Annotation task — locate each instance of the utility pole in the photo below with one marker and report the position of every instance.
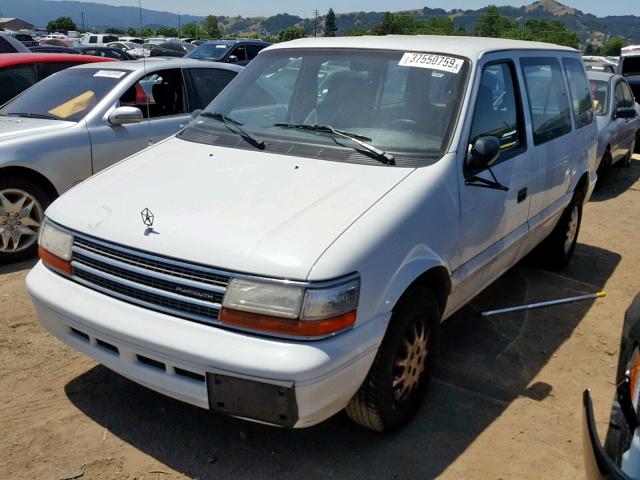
(315, 23)
(179, 24)
(83, 30)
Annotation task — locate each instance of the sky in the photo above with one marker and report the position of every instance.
(253, 8)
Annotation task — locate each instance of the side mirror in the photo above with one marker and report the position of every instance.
(232, 59)
(195, 114)
(482, 154)
(125, 116)
(625, 112)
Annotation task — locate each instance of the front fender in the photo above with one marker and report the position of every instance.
(419, 261)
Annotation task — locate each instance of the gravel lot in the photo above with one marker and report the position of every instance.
(506, 401)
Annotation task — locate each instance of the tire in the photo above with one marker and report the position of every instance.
(377, 405)
(16, 192)
(604, 169)
(557, 249)
(637, 144)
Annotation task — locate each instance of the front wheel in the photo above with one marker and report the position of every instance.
(557, 249)
(22, 206)
(397, 381)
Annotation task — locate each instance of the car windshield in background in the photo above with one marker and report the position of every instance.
(210, 51)
(600, 94)
(67, 95)
(405, 103)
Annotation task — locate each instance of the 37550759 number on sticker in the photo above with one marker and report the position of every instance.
(432, 61)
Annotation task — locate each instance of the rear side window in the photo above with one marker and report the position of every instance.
(497, 108)
(579, 90)
(15, 80)
(45, 69)
(93, 39)
(159, 94)
(5, 47)
(206, 84)
(548, 100)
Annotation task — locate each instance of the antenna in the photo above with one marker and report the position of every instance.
(144, 58)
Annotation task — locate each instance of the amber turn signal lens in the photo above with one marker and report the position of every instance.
(58, 264)
(284, 326)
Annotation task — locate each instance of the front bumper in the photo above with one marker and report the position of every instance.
(598, 463)
(311, 381)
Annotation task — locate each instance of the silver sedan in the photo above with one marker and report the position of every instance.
(618, 117)
(82, 120)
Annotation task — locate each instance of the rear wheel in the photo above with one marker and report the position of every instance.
(397, 381)
(22, 206)
(557, 249)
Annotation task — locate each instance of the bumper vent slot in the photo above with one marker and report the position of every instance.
(188, 374)
(108, 346)
(81, 335)
(151, 362)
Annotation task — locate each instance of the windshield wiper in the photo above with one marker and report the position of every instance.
(31, 115)
(237, 128)
(361, 140)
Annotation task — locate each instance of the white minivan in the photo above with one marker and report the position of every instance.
(294, 249)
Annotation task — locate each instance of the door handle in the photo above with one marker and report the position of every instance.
(522, 194)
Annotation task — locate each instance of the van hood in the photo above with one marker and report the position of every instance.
(16, 127)
(239, 210)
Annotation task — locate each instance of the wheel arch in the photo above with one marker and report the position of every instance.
(32, 175)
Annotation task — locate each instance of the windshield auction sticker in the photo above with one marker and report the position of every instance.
(109, 73)
(432, 61)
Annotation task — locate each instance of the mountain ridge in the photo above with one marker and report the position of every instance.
(100, 16)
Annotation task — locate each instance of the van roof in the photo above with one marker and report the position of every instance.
(470, 47)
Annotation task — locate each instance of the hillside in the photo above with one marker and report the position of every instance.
(99, 16)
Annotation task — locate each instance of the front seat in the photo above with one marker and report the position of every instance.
(346, 95)
(165, 98)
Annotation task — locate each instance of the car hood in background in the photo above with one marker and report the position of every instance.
(246, 211)
(16, 127)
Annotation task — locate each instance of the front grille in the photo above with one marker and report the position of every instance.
(180, 289)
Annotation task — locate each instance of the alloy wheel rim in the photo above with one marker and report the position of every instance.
(410, 361)
(572, 230)
(20, 218)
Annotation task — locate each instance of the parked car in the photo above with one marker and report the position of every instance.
(24, 38)
(53, 49)
(619, 458)
(19, 71)
(98, 39)
(59, 42)
(599, 64)
(618, 118)
(84, 119)
(232, 51)
(133, 49)
(629, 68)
(171, 49)
(137, 40)
(108, 52)
(9, 44)
(292, 253)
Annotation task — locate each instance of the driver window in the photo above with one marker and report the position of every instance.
(240, 52)
(159, 94)
(496, 113)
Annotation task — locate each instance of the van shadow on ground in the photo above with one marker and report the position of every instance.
(618, 180)
(16, 267)
(485, 365)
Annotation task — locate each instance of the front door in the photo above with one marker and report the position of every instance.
(494, 220)
(161, 98)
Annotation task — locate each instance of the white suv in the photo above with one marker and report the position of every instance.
(293, 251)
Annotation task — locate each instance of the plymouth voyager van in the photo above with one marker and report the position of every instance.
(294, 249)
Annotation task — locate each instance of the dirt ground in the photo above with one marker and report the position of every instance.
(505, 403)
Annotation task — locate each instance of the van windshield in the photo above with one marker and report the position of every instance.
(400, 102)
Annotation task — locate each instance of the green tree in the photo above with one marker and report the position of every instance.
(549, 32)
(437, 26)
(115, 31)
(290, 33)
(395, 24)
(356, 32)
(131, 32)
(330, 28)
(191, 30)
(147, 32)
(492, 24)
(61, 24)
(210, 26)
(166, 31)
(613, 47)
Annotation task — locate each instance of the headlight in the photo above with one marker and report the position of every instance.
(55, 248)
(634, 377)
(291, 310)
